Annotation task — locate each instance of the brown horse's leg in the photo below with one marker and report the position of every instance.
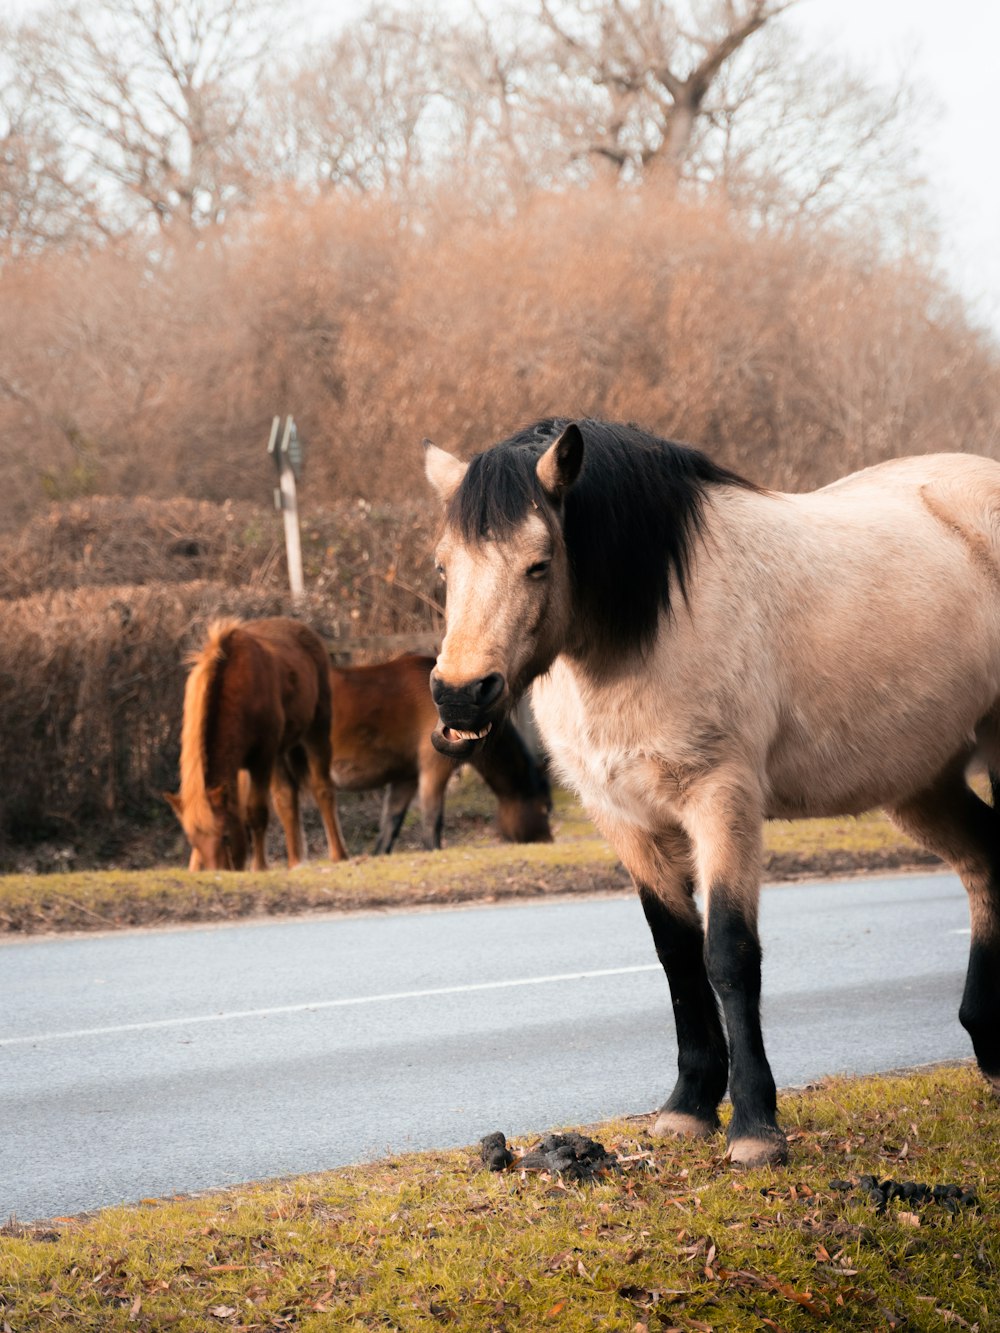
(395, 804)
(285, 790)
(434, 775)
(662, 873)
(722, 817)
(950, 820)
(319, 759)
(257, 815)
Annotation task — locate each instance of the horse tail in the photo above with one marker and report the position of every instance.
(200, 697)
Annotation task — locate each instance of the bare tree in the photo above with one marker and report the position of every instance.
(645, 69)
(42, 200)
(792, 134)
(354, 112)
(156, 97)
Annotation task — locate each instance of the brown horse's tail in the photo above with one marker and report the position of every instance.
(200, 695)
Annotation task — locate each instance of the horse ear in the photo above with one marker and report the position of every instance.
(559, 466)
(174, 801)
(444, 471)
(216, 797)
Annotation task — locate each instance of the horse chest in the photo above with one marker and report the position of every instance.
(612, 772)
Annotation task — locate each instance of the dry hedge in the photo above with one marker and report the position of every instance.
(101, 610)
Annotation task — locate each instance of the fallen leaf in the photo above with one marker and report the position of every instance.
(555, 1310)
(221, 1311)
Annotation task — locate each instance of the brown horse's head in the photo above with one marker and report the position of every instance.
(525, 818)
(503, 555)
(214, 830)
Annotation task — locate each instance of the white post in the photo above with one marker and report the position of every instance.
(290, 513)
(286, 499)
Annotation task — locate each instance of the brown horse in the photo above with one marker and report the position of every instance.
(255, 691)
(383, 716)
(708, 654)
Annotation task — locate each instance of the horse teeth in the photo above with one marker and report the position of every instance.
(470, 735)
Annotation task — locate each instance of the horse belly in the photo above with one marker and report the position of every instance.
(831, 763)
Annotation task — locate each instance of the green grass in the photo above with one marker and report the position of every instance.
(676, 1240)
(474, 868)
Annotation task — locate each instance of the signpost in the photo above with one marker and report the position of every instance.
(288, 461)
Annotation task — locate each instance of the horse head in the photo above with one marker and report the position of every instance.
(215, 831)
(503, 557)
(525, 818)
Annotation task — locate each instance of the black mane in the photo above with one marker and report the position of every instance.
(630, 520)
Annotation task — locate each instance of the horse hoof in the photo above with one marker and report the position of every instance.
(769, 1150)
(679, 1125)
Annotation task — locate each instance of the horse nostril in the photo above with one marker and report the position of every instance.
(488, 690)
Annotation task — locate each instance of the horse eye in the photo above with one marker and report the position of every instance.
(440, 571)
(539, 569)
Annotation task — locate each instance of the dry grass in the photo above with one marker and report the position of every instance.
(674, 1241)
(472, 868)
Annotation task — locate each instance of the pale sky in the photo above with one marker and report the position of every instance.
(951, 51)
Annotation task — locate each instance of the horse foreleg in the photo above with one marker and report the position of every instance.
(285, 790)
(723, 821)
(395, 804)
(433, 780)
(661, 870)
(702, 1057)
(325, 796)
(950, 820)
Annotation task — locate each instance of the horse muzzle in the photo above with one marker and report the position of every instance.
(467, 713)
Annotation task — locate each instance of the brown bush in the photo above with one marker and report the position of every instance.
(372, 562)
(793, 356)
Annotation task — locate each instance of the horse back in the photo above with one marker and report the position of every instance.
(277, 680)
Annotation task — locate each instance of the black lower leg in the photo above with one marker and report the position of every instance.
(951, 820)
(394, 808)
(980, 1009)
(733, 954)
(433, 827)
(702, 1059)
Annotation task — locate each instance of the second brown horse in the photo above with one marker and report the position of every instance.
(383, 716)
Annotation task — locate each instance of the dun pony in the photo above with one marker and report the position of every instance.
(707, 654)
(256, 691)
(383, 717)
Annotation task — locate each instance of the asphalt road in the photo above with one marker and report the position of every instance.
(146, 1063)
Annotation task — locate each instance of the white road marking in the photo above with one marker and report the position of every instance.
(315, 1005)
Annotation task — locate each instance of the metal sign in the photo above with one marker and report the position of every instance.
(290, 449)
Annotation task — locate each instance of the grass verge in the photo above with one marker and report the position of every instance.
(477, 869)
(674, 1240)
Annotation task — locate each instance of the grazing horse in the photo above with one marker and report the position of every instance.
(707, 654)
(383, 717)
(256, 690)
